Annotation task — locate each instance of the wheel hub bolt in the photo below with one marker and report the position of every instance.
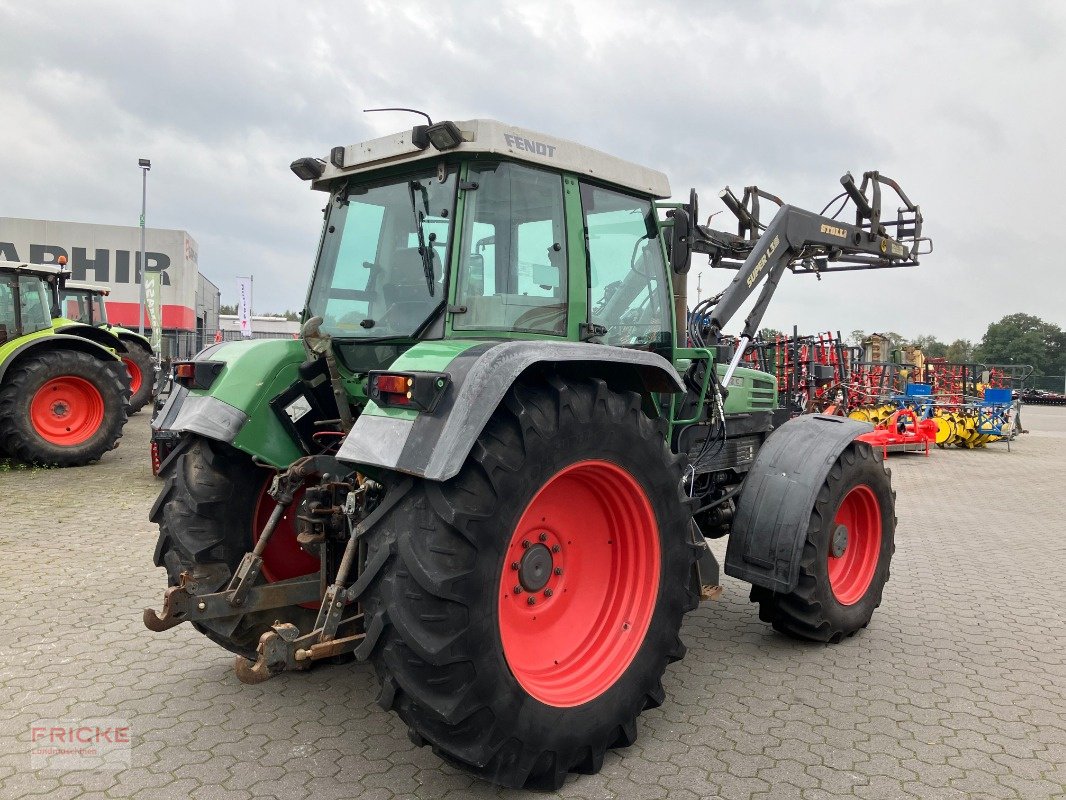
(514, 565)
(548, 592)
(543, 537)
(525, 544)
(558, 570)
(556, 548)
(532, 600)
(518, 590)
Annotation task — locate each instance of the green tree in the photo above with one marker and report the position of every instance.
(769, 334)
(224, 309)
(856, 337)
(959, 351)
(931, 346)
(1024, 339)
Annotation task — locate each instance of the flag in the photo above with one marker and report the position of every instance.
(153, 298)
(244, 306)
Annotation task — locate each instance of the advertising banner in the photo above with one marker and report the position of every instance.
(244, 306)
(153, 298)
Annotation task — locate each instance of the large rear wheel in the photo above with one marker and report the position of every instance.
(141, 368)
(62, 407)
(531, 604)
(210, 511)
(845, 561)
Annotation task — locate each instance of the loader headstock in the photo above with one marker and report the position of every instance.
(847, 245)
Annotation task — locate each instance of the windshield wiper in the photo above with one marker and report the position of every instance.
(425, 252)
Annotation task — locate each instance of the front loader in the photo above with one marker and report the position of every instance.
(490, 465)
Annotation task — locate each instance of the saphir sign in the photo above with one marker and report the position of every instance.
(110, 255)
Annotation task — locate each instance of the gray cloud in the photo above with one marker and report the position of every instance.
(956, 100)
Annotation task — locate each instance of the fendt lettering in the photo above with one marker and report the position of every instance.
(97, 268)
(529, 145)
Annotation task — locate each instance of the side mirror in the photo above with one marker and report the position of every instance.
(680, 241)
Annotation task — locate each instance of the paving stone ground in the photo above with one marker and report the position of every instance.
(956, 690)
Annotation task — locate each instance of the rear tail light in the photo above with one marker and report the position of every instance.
(420, 391)
(197, 374)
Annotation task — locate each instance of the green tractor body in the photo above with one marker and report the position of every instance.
(62, 393)
(81, 310)
(491, 463)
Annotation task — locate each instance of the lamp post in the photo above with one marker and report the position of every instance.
(145, 165)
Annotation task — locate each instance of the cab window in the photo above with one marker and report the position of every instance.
(512, 267)
(8, 320)
(34, 303)
(627, 271)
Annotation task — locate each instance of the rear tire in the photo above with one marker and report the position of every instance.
(441, 632)
(62, 408)
(141, 368)
(842, 575)
(206, 513)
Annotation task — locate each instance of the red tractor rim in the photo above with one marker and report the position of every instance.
(855, 545)
(283, 557)
(67, 410)
(579, 583)
(135, 374)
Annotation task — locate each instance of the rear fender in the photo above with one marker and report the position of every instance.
(435, 444)
(235, 409)
(47, 341)
(770, 525)
(102, 337)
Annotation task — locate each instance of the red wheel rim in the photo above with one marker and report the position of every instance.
(283, 557)
(67, 410)
(586, 551)
(855, 545)
(135, 374)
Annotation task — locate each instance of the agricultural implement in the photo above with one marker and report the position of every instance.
(62, 395)
(491, 463)
(85, 303)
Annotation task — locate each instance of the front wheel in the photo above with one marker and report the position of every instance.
(139, 364)
(845, 561)
(531, 604)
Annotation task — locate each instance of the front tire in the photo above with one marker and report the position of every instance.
(845, 561)
(531, 604)
(63, 408)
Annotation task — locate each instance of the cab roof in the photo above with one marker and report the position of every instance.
(488, 136)
(43, 270)
(88, 287)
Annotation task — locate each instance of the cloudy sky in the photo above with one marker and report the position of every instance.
(956, 100)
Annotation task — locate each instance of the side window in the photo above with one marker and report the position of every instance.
(349, 301)
(627, 273)
(35, 305)
(512, 267)
(8, 328)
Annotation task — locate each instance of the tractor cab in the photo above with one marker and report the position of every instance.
(25, 299)
(84, 302)
(490, 232)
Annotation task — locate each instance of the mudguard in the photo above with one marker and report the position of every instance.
(435, 445)
(47, 340)
(102, 337)
(775, 505)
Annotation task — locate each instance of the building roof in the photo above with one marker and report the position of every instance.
(487, 136)
(44, 270)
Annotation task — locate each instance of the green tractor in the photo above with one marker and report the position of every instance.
(83, 303)
(491, 465)
(62, 396)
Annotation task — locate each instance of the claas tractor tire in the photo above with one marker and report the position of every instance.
(62, 408)
(213, 505)
(844, 564)
(530, 605)
(139, 365)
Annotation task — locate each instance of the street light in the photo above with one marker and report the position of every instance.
(145, 165)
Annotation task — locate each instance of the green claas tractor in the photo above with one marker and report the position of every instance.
(84, 303)
(491, 464)
(62, 396)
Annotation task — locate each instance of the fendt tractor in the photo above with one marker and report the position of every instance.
(84, 303)
(491, 464)
(63, 395)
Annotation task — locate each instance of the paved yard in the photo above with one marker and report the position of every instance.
(957, 689)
